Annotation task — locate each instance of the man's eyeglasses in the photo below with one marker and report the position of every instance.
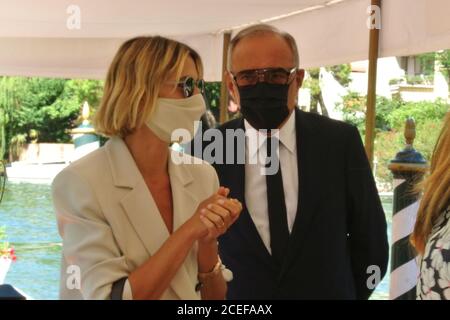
(188, 85)
(269, 75)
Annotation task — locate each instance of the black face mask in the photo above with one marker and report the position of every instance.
(264, 105)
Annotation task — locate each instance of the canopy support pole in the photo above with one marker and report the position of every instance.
(223, 88)
(371, 88)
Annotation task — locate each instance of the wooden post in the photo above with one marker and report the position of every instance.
(223, 88)
(371, 88)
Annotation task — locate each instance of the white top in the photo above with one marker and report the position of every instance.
(255, 181)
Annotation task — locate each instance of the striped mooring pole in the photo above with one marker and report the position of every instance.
(408, 168)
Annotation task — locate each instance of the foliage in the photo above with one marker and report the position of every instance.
(444, 61)
(420, 79)
(389, 143)
(389, 126)
(212, 95)
(341, 73)
(312, 81)
(427, 60)
(420, 111)
(354, 111)
(15, 145)
(42, 109)
(395, 81)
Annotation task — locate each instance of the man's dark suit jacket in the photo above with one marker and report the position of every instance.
(339, 231)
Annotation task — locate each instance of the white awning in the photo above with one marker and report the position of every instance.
(35, 39)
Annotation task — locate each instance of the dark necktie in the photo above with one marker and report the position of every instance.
(279, 232)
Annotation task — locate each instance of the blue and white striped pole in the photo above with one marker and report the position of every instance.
(408, 168)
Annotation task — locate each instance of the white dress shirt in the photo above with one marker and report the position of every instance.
(255, 181)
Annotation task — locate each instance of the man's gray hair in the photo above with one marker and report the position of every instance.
(260, 29)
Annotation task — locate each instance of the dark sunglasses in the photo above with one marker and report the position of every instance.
(188, 85)
(269, 75)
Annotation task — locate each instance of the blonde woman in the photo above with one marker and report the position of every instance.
(431, 236)
(135, 224)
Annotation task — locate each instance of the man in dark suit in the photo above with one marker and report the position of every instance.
(316, 228)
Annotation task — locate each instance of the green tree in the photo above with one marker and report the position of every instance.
(341, 73)
(444, 62)
(354, 111)
(9, 103)
(421, 112)
(427, 61)
(313, 84)
(389, 126)
(86, 90)
(212, 95)
(42, 106)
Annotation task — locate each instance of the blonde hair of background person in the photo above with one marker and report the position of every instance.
(125, 211)
(436, 189)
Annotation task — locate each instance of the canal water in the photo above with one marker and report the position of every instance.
(27, 213)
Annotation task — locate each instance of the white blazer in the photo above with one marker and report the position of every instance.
(110, 224)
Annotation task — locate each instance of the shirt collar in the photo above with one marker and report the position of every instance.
(287, 135)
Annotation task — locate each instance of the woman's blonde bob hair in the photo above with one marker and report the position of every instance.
(133, 81)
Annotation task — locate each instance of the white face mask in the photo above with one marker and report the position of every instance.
(172, 114)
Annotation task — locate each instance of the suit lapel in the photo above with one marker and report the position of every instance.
(142, 210)
(184, 199)
(145, 217)
(308, 191)
(137, 203)
(184, 205)
(245, 225)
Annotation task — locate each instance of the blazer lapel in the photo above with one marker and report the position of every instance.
(185, 200)
(137, 203)
(145, 218)
(309, 188)
(185, 203)
(245, 225)
(142, 210)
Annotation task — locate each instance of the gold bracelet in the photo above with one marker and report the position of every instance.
(202, 276)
